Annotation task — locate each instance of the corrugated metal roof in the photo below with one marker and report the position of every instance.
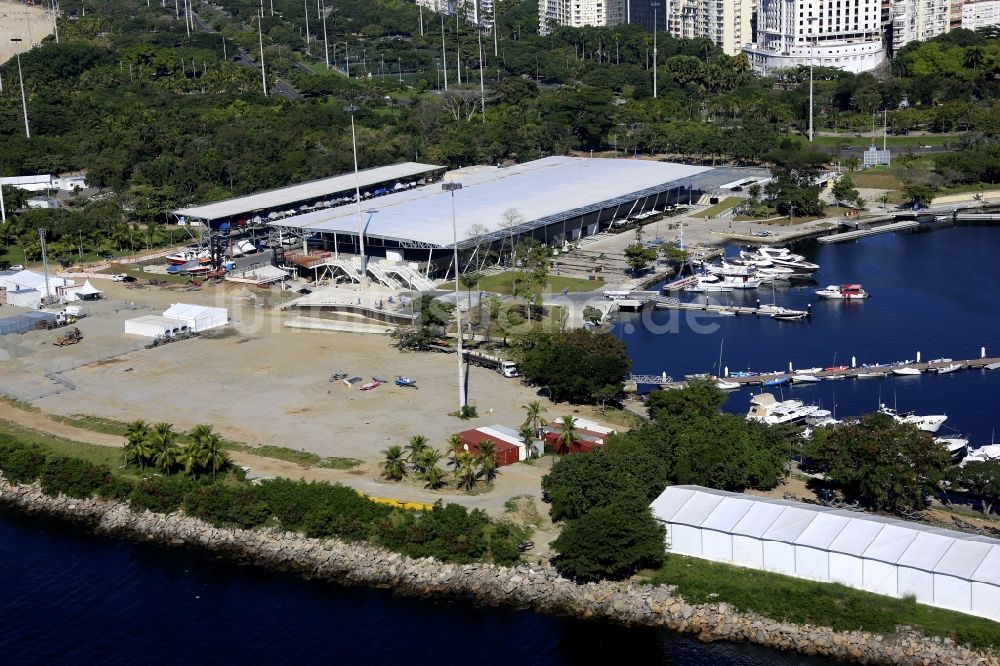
(287, 196)
(542, 191)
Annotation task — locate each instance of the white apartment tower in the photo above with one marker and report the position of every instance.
(725, 22)
(919, 20)
(578, 13)
(980, 14)
(844, 34)
(479, 12)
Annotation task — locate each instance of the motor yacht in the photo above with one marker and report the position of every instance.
(708, 283)
(764, 408)
(926, 423)
(957, 447)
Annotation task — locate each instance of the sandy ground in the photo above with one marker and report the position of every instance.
(31, 24)
(260, 382)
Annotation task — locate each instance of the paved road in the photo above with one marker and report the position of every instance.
(280, 87)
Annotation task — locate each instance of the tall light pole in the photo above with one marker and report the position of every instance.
(260, 33)
(444, 55)
(357, 198)
(326, 42)
(55, 23)
(812, 44)
(3, 209)
(24, 100)
(458, 48)
(451, 187)
(305, 3)
(482, 85)
(655, 6)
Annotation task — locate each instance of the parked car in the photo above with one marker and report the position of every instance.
(122, 277)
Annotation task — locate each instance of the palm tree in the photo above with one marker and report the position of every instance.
(189, 457)
(213, 457)
(394, 467)
(486, 460)
(163, 446)
(533, 411)
(568, 435)
(455, 447)
(527, 438)
(434, 477)
(136, 443)
(201, 432)
(466, 473)
(428, 460)
(415, 449)
(470, 280)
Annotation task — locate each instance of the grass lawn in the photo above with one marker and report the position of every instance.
(301, 457)
(720, 207)
(93, 423)
(501, 283)
(99, 455)
(826, 604)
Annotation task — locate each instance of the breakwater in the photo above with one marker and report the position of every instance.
(535, 587)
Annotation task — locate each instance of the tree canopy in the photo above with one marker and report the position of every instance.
(576, 365)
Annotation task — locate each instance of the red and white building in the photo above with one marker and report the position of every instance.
(508, 447)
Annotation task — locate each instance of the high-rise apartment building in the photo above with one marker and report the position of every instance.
(844, 34)
(919, 20)
(578, 13)
(981, 14)
(479, 12)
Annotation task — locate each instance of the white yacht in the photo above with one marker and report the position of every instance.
(983, 454)
(708, 283)
(764, 408)
(926, 423)
(904, 371)
(957, 447)
(780, 256)
(844, 292)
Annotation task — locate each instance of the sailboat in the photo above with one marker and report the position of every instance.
(720, 381)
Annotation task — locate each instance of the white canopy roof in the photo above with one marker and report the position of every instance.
(31, 280)
(289, 196)
(88, 288)
(888, 540)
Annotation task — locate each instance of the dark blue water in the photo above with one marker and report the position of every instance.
(933, 290)
(69, 597)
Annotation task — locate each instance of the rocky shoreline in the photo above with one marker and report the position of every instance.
(534, 587)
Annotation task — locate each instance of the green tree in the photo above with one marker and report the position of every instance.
(466, 471)
(888, 466)
(980, 480)
(920, 193)
(698, 397)
(394, 466)
(610, 543)
(639, 257)
(434, 477)
(844, 191)
(163, 445)
(486, 459)
(137, 448)
(454, 448)
(576, 365)
(415, 450)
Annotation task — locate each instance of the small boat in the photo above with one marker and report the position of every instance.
(837, 368)
(845, 292)
(808, 371)
(831, 378)
(727, 386)
(906, 371)
(405, 381)
(951, 367)
(992, 366)
(819, 416)
(805, 379)
(789, 316)
(370, 385)
(725, 312)
(776, 381)
(871, 375)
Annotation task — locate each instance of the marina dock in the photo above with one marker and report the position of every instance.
(849, 373)
(871, 231)
(637, 300)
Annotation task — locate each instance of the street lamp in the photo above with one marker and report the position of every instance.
(451, 187)
(24, 101)
(357, 195)
(260, 33)
(812, 44)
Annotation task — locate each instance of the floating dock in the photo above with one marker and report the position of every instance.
(871, 231)
(849, 373)
(637, 300)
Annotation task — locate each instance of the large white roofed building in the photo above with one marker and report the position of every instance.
(939, 567)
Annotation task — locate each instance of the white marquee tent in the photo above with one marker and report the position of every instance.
(198, 317)
(939, 567)
(152, 326)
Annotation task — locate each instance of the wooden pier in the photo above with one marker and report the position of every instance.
(852, 373)
(637, 300)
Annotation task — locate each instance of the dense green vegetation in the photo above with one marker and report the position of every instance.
(784, 598)
(578, 365)
(687, 442)
(448, 532)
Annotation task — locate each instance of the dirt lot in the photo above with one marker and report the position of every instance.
(31, 24)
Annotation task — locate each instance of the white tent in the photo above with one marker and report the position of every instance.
(151, 326)
(86, 292)
(939, 567)
(198, 317)
(32, 280)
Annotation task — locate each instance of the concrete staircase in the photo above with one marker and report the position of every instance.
(412, 277)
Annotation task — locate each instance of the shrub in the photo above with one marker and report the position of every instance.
(73, 477)
(448, 532)
(321, 509)
(160, 494)
(227, 505)
(21, 463)
(503, 542)
(116, 488)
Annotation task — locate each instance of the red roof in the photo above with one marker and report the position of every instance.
(504, 453)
